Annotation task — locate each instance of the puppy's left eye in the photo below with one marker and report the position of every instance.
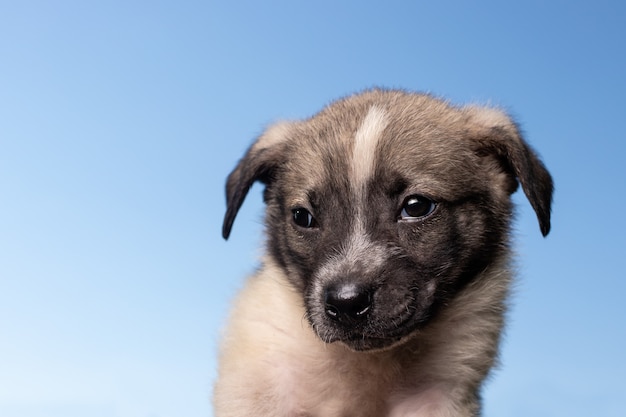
(417, 206)
(303, 218)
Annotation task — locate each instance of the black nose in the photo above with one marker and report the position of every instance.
(347, 301)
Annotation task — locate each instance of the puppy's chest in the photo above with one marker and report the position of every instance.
(329, 387)
(329, 383)
(351, 393)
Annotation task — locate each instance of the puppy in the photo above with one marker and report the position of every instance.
(384, 285)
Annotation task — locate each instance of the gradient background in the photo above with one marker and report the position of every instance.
(119, 121)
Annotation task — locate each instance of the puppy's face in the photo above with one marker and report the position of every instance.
(384, 205)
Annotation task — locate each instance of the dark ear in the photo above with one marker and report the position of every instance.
(502, 139)
(258, 164)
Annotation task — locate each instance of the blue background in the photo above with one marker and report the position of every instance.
(119, 121)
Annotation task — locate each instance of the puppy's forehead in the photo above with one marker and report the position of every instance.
(373, 136)
(337, 149)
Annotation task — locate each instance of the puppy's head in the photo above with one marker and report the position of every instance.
(381, 207)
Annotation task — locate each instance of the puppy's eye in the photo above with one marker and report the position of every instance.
(303, 218)
(417, 206)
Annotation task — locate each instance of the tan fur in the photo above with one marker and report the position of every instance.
(435, 285)
(272, 364)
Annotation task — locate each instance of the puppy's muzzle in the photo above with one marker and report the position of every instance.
(347, 302)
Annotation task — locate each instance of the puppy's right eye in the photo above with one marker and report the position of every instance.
(303, 218)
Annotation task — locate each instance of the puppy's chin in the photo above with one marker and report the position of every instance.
(374, 344)
(358, 341)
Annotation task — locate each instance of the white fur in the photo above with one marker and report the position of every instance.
(365, 142)
(363, 164)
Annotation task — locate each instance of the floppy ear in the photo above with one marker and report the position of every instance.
(257, 164)
(501, 138)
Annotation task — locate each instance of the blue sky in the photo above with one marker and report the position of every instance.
(119, 122)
